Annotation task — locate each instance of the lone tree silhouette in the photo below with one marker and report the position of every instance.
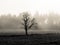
(28, 22)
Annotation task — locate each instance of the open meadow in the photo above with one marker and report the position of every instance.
(19, 38)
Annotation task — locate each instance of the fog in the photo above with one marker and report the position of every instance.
(45, 23)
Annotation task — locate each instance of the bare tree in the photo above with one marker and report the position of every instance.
(28, 22)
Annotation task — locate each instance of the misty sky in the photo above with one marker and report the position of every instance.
(18, 6)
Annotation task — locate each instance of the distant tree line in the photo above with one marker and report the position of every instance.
(51, 21)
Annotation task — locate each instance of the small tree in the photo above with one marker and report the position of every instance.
(28, 22)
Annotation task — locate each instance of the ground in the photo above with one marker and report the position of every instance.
(33, 39)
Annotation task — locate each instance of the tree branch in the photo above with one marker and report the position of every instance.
(31, 25)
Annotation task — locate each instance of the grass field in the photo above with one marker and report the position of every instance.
(37, 37)
(33, 39)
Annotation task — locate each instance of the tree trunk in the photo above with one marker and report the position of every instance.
(26, 32)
